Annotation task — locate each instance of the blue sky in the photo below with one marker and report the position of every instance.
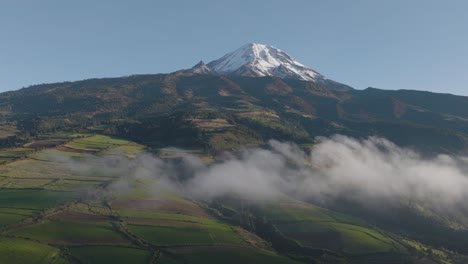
(388, 44)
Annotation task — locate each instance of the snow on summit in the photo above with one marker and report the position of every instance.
(257, 60)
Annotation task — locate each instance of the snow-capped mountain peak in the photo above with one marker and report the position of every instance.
(257, 60)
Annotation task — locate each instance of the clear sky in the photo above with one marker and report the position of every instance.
(388, 44)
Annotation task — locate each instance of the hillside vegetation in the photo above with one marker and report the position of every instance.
(222, 113)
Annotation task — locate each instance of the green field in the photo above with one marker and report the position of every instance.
(179, 229)
(14, 215)
(54, 154)
(35, 169)
(71, 232)
(95, 143)
(170, 236)
(145, 214)
(34, 198)
(73, 184)
(235, 256)
(321, 228)
(129, 149)
(20, 251)
(111, 255)
(52, 169)
(10, 154)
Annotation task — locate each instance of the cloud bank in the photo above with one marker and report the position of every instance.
(373, 170)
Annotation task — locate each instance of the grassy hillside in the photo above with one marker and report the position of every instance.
(55, 219)
(221, 113)
(49, 215)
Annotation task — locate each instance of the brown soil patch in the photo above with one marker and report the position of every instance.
(317, 236)
(399, 108)
(160, 205)
(68, 149)
(252, 239)
(74, 216)
(163, 222)
(87, 241)
(44, 144)
(211, 123)
(258, 113)
(193, 249)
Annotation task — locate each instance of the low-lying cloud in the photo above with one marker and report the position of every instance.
(363, 171)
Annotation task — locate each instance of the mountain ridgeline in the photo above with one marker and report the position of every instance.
(247, 97)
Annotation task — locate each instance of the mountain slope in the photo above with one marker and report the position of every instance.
(263, 107)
